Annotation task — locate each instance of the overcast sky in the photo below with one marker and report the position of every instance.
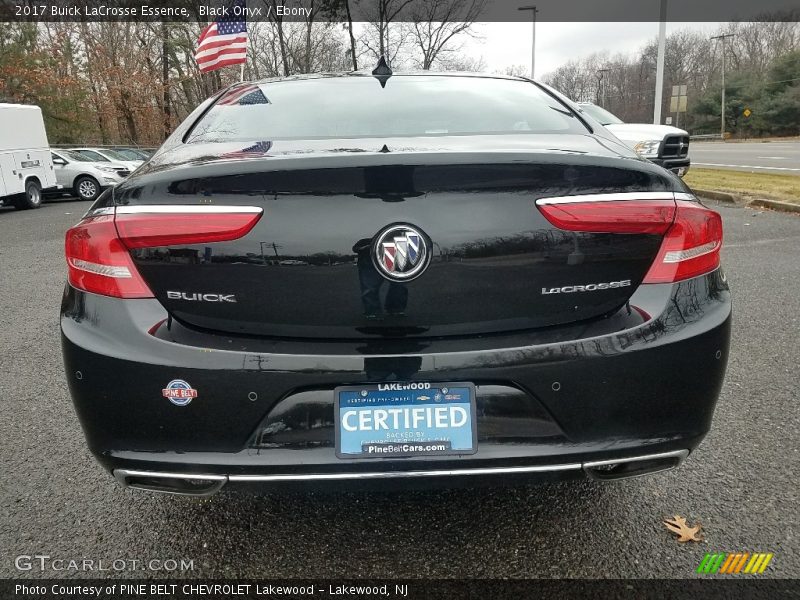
(505, 44)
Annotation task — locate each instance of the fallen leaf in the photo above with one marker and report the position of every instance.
(678, 526)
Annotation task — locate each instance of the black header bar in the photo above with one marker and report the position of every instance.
(599, 11)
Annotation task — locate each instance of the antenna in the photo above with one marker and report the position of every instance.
(382, 71)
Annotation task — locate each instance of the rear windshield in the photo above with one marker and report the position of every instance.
(601, 114)
(75, 156)
(128, 154)
(114, 154)
(357, 107)
(92, 155)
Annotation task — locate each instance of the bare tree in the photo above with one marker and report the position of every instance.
(375, 37)
(277, 21)
(437, 22)
(353, 54)
(461, 62)
(341, 11)
(516, 70)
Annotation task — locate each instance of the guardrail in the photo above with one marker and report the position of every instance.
(706, 136)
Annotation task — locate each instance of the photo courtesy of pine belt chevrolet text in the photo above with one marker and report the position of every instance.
(399, 279)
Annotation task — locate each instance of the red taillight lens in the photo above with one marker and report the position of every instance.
(691, 246)
(150, 229)
(98, 248)
(98, 262)
(692, 233)
(614, 216)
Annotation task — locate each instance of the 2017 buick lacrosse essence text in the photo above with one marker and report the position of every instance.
(431, 278)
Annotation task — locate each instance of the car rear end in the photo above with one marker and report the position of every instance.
(455, 305)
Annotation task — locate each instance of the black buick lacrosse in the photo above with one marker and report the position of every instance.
(329, 280)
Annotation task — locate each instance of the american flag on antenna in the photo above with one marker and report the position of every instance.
(223, 42)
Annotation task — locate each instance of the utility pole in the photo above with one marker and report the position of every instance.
(533, 10)
(722, 38)
(602, 81)
(662, 47)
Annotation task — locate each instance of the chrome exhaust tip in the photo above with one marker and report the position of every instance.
(182, 484)
(624, 468)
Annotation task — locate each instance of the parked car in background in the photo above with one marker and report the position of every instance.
(83, 176)
(25, 166)
(662, 144)
(107, 154)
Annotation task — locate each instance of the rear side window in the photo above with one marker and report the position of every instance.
(354, 107)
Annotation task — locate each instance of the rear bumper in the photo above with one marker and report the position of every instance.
(194, 484)
(552, 403)
(679, 166)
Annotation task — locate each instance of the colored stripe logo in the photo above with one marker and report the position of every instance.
(733, 563)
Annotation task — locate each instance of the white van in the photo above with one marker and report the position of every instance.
(26, 167)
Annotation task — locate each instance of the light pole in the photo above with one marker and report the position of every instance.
(662, 45)
(533, 10)
(722, 38)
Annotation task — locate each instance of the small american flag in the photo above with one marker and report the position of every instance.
(223, 42)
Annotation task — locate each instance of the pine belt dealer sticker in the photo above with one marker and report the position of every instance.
(179, 392)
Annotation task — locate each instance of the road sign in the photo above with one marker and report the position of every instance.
(678, 101)
(677, 104)
(747, 112)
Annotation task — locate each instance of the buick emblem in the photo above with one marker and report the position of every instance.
(401, 252)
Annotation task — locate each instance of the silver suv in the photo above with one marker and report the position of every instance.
(85, 177)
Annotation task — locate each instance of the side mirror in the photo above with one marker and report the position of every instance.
(59, 161)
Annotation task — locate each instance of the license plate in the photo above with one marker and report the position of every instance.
(391, 420)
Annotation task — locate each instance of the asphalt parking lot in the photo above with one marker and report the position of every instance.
(741, 484)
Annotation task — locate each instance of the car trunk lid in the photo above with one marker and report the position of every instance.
(311, 265)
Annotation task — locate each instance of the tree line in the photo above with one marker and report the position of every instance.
(762, 74)
(133, 82)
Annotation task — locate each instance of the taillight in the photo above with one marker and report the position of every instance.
(150, 226)
(98, 248)
(98, 262)
(692, 233)
(691, 247)
(609, 216)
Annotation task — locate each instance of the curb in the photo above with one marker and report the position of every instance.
(720, 196)
(776, 205)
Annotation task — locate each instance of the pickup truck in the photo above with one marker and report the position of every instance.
(662, 144)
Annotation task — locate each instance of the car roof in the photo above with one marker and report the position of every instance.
(366, 73)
